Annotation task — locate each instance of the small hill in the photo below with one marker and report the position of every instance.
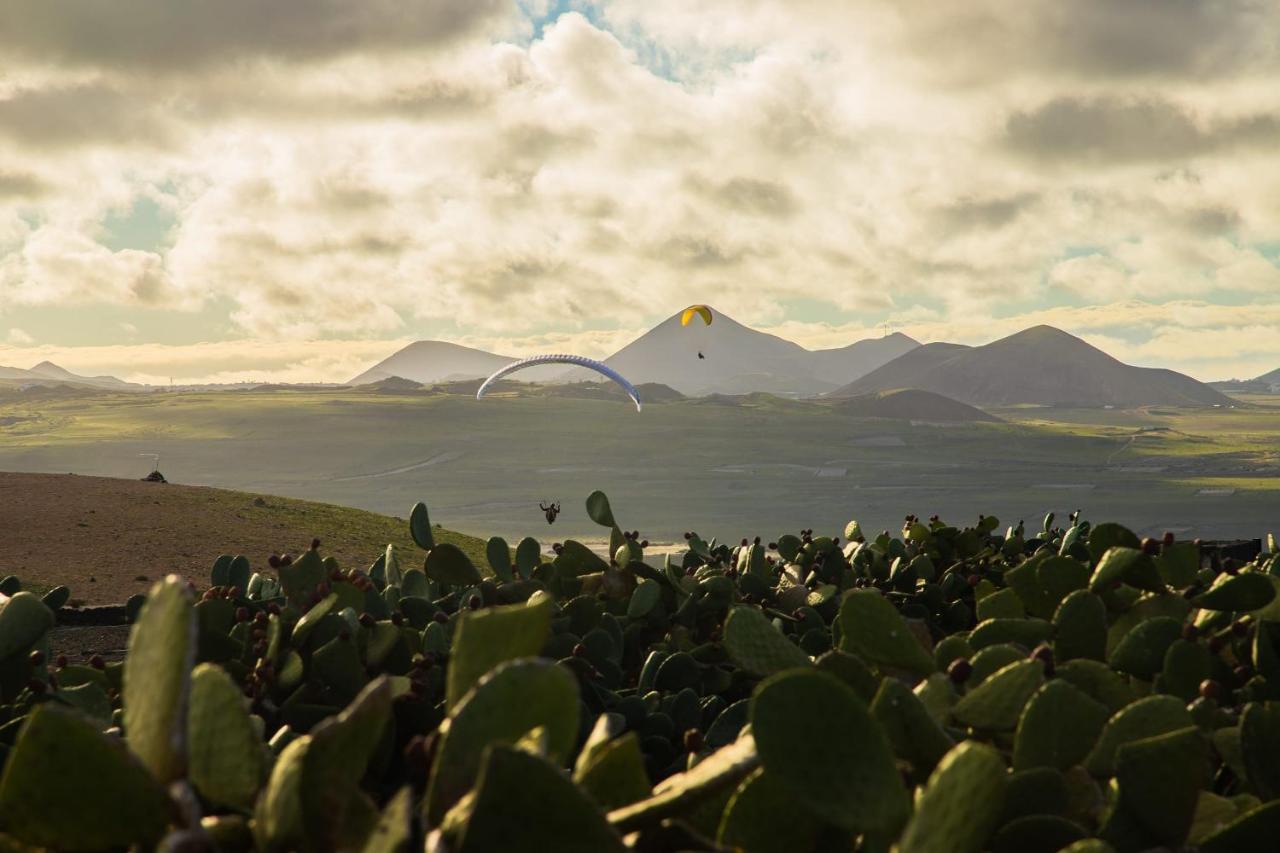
(66, 529)
(844, 364)
(903, 371)
(49, 370)
(1038, 366)
(392, 385)
(650, 392)
(48, 374)
(911, 404)
(431, 362)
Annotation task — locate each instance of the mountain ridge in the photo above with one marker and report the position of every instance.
(1041, 365)
(736, 359)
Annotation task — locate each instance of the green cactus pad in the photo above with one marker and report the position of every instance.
(996, 704)
(312, 799)
(498, 554)
(1097, 680)
(24, 619)
(1243, 592)
(336, 665)
(485, 638)
(852, 671)
(413, 584)
(522, 802)
(157, 678)
(644, 598)
(448, 563)
(1145, 607)
(912, 731)
(751, 821)
(1003, 604)
(507, 702)
(872, 628)
(1253, 832)
(300, 578)
(1037, 790)
(960, 806)
(992, 659)
(728, 724)
(67, 786)
(1179, 563)
(754, 644)
(1037, 600)
(226, 761)
(1028, 633)
(1080, 627)
(1061, 576)
(1186, 664)
(394, 830)
(528, 555)
(1141, 653)
(1260, 746)
(303, 628)
(1212, 814)
(1089, 845)
(845, 773)
(1145, 718)
(598, 509)
(1041, 833)
(613, 775)
(88, 698)
(1107, 535)
(713, 776)
(420, 527)
(576, 559)
(1126, 565)
(1058, 727)
(1159, 780)
(56, 598)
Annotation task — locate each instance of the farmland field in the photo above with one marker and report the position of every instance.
(732, 467)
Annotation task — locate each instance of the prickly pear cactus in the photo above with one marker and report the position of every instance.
(951, 688)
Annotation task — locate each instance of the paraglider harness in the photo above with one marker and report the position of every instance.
(552, 511)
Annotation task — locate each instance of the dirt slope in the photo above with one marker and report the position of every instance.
(107, 539)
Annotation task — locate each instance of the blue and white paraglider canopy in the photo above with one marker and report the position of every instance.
(580, 361)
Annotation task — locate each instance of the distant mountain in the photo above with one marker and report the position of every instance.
(431, 362)
(911, 404)
(1272, 378)
(740, 360)
(49, 370)
(1039, 366)
(48, 373)
(736, 360)
(843, 364)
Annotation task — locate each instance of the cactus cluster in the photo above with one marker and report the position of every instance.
(950, 689)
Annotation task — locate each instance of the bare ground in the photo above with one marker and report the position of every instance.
(107, 539)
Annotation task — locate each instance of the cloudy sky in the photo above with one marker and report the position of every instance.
(294, 189)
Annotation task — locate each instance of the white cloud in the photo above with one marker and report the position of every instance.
(393, 167)
(18, 337)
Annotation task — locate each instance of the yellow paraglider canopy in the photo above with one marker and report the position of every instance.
(696, 311)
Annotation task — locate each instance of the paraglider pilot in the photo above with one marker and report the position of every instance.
(551, 510)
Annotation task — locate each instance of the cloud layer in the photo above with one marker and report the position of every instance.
(572, 172)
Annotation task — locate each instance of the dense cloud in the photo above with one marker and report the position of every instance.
(187, 35)
(1109, 130)
(396, 169)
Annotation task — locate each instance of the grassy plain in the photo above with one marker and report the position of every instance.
(725, 467)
